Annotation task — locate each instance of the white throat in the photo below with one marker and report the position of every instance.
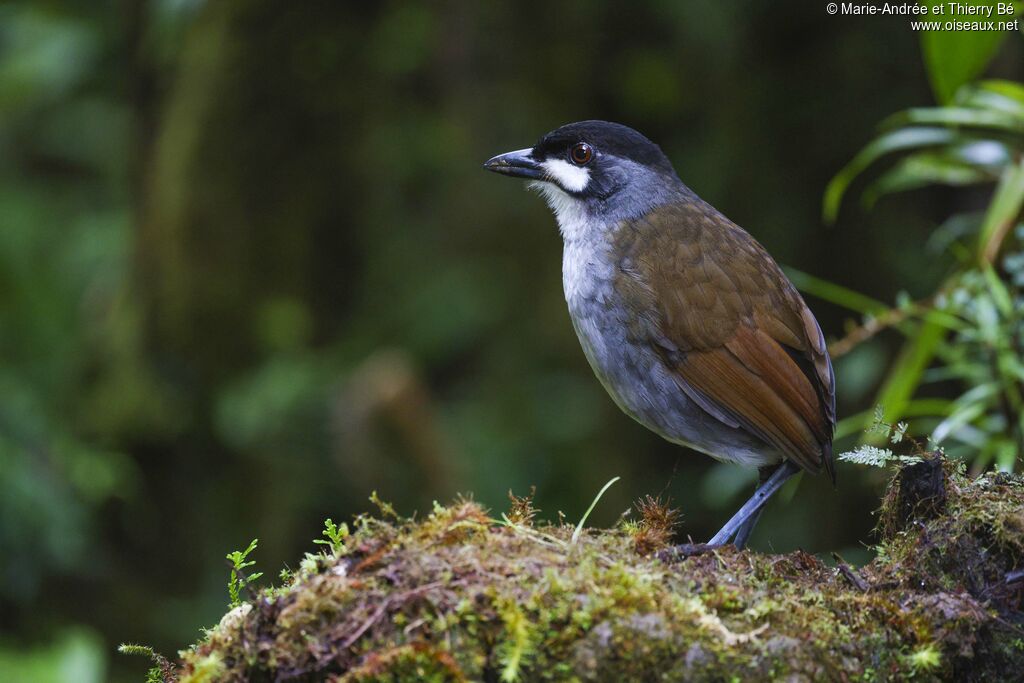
(570, 212)
(586, 262)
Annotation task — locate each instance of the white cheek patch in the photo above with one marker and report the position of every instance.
(571, 178)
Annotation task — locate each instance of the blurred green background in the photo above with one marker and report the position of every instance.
(251, 271)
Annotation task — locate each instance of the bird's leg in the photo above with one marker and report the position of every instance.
(750, 510)
(743, 533)
(742, 523)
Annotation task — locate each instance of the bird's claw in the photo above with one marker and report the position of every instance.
(684, 550)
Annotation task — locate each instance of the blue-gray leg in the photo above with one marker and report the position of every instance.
(743, 534)
(742, 523)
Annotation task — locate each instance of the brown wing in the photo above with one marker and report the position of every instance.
(721, 312)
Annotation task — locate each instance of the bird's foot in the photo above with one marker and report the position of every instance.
(684, 550)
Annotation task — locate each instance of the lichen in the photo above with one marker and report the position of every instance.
(462, 596)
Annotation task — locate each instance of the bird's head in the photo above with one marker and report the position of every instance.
(594, 169)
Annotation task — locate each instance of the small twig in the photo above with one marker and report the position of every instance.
(365, 626)
(861, 333)
(851, 575)
(878, 323)
(376, 615)
(1014, 577)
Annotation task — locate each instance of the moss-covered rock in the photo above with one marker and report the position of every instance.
(460, 596)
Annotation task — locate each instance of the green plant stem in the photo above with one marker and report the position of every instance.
(579, 527)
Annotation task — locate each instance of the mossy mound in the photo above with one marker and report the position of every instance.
(460, 596)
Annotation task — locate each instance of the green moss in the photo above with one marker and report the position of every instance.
(461, 596)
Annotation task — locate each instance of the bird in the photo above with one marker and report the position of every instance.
(689, 324)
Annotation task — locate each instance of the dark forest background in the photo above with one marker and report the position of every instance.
(251, 271)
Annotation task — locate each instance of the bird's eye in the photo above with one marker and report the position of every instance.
(581, 153)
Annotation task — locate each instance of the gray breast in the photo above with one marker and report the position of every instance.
(634, 374)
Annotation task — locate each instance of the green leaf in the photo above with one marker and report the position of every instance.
(973, 437)
(921, 407)
(893, 141)
(994, 95)
(1000, 294)
(922, 169)
(964, 410)
(868, 455)
(957, 116)
(954, 58)
(1015, 368)
(947, 320)
(833, 293)
(963, 415)
(906, 375)
(988, 154)
(1010, 89)
(952, 230)
(1005, 454)
(1002, 211)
